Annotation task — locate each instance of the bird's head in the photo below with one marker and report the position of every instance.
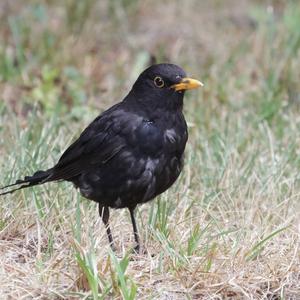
(163, 85)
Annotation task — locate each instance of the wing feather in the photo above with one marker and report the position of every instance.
(103, 139)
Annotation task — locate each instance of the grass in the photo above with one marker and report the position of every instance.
(229, 227)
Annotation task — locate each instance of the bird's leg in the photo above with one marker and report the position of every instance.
(104, 214)
(135, 232)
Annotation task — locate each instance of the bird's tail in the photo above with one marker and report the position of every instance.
(38, 177)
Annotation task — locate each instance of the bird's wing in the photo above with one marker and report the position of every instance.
(99, 142)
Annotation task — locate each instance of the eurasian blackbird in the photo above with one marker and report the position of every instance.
(130, 153)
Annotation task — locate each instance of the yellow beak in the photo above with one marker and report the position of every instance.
(187, 84)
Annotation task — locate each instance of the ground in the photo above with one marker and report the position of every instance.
(229, 228)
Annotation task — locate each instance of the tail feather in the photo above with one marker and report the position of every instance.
(38, 177)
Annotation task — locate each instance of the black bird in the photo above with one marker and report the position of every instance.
(133, 151)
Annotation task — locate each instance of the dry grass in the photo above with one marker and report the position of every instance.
(229, 228)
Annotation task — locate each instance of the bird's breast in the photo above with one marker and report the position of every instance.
(148, 138)
(156, 137)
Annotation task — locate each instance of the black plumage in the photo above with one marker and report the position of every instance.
(133, 151)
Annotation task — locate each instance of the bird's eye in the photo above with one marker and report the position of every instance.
(158, 81)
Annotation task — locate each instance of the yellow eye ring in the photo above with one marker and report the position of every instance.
(158, 81)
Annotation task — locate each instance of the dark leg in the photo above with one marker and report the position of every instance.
(104, 214)
(135, 232)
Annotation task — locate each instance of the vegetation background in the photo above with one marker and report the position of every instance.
(229, 228)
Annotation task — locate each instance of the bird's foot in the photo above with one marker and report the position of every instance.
(113, 247)
(137, 250)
